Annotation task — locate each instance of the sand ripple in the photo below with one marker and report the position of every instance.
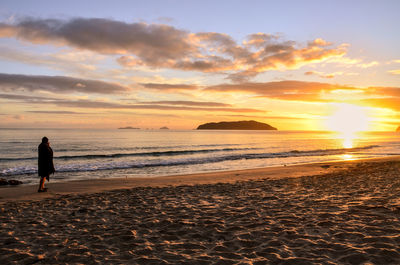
(349, 217)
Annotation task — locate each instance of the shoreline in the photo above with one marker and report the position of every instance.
(29, 192)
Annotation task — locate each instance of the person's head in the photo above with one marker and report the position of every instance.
(45, 140)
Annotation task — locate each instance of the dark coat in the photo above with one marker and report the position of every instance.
(45, 161)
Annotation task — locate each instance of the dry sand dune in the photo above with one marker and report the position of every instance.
(345, 217)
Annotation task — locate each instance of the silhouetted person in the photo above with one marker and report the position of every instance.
(45, 163)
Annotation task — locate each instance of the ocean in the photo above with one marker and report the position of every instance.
(92, 154)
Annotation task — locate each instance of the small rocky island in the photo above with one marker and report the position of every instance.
(236, 125)
(128, 128)
(164, 128)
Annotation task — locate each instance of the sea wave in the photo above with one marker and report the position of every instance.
(173, 160)
(140, 154)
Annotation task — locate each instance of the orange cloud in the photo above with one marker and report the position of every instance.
(285, 90)
(395, 72)
(382, 97)
(319, 42)
(129, 61)
(328, 75)
(287, 55)
(388, 103)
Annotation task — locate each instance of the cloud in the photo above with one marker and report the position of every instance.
(169, 86)
(266, 117)
(394, 72)
(329, 75)
(110, 105)
(287, 55)
(153, 43)
(323, 75)
(57, 84)
(383, 97)
(319, 42)
(18, 117)
(129, 61)
(161, 105)
(164, 46)
(25, 98)
(189, 103)
(285, 90)
(388, 102)
(81, 62)
(368, 65)
(259, 40)
(55, 112)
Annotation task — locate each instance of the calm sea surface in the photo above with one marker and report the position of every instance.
(90, 154)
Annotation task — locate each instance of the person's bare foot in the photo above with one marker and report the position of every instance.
(43, 190)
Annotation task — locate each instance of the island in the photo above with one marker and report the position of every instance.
(164, 128)
(236, 125)
(128, 128)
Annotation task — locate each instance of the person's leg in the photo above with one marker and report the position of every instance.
(41, 185)
(44, 180)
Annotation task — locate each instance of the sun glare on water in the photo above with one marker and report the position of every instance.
(348, 120)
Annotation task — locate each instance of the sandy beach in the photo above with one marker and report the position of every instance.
(324, 213)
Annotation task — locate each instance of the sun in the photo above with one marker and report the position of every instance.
(348, 120)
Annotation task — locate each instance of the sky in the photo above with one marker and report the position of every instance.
(296, 65)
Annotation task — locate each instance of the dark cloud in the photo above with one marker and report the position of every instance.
(163, 46)
(169, 86)
(55, 112)
(153, 43)
(25, 98)
(162, 105)
(189, 103)
(18, 117)
(220, 45)
(211, 64)
(259, 40)
(108, 105)
(57, 84)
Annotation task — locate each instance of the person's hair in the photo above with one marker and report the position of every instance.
(45, 140)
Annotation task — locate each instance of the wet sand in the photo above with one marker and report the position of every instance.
(326, 213)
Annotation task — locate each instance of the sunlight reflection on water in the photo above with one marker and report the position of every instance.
(348, 157)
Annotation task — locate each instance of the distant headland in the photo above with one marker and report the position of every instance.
(236, 125)
(128, 128)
